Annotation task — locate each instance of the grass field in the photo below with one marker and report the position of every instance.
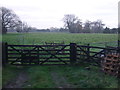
(40, 38)
(59, 76)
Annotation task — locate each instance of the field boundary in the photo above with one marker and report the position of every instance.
(53, 54)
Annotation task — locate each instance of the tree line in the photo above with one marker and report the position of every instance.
(72, 24)
(75, 25)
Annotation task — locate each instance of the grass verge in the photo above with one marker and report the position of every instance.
(80, 77)
(39, 77)
(9, 73)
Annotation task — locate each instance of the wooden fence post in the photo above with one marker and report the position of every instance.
(119, 70)
(88, 52)
(4, 54)
(73, 53)
(118, 43)
(119, 61)
(118, 48)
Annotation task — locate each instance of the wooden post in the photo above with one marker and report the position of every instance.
(118, 43)
(119, 62)
(4, 54)
(118, 48)
(73, 53)
(88, 52)
(119, 70)
(38, 55)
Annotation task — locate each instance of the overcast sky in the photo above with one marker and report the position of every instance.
(49, 13)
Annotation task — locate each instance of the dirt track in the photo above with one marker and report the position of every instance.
(19, 81)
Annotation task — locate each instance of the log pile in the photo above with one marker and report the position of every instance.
(111, 64)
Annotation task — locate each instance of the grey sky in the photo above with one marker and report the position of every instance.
(49, 13)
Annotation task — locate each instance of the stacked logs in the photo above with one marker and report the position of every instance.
(111, 64)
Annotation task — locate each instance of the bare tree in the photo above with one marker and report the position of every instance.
(78, 26)
(97, 26)
(72, 23)
(87, 27)
(23, 27)
(9, 19)
(0, 22)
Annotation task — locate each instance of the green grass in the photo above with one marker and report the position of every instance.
(40, 77)
(78, 76)
(8, 74)
(40, 38)
(0, 77)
